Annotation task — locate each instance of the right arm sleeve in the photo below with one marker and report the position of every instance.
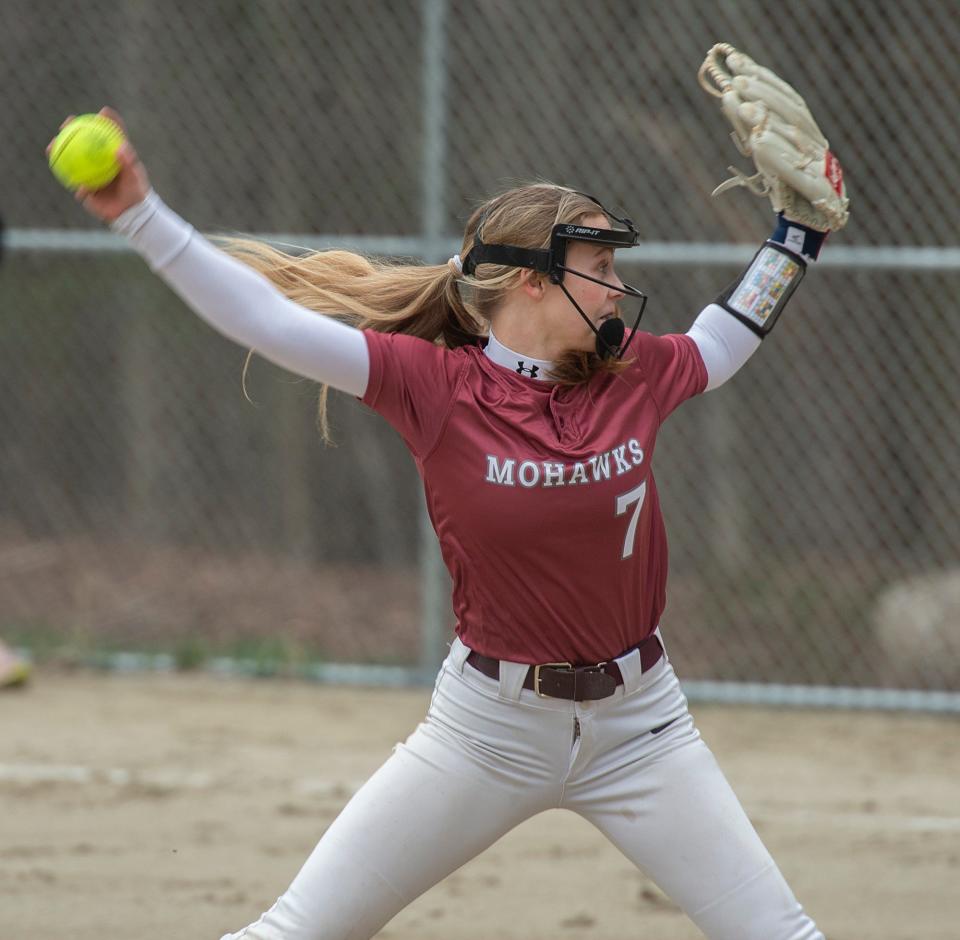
(242, 304)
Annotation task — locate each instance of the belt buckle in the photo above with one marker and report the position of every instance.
(536, 675)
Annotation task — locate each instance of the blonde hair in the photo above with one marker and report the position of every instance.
(434, 302)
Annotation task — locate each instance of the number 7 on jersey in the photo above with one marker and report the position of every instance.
(624, 501)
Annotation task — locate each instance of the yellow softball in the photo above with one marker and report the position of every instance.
(84, 153)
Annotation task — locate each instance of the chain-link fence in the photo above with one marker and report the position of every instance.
(145, 504)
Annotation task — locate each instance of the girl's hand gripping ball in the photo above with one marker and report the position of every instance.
(92, 155)
(84, 153)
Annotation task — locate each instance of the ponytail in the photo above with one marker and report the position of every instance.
(434, 302)
(421, 300)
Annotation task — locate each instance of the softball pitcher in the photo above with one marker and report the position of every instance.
(532, 413)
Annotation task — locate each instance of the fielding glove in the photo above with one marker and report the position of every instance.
(773, 126)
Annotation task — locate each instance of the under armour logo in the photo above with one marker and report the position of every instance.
(532, 371)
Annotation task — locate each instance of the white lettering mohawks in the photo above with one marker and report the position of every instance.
(528, 473)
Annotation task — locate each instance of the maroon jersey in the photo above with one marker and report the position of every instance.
(542, 497)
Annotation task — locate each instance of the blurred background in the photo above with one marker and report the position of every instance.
(148, 508)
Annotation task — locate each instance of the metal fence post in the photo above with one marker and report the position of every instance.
(433, 578)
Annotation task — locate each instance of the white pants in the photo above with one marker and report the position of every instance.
(489, 755)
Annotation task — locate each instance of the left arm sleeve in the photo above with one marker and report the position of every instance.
(723, 342)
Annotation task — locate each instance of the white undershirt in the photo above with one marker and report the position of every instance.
(245, 307)
(538, 369)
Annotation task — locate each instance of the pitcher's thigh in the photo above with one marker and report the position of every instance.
(680, 822)
(422, 815)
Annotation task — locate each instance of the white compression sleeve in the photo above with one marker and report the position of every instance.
(244, 305)
(725, 344)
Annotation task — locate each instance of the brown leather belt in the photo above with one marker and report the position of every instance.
(577, 683)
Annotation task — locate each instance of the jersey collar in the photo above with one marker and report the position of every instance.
(538, 369)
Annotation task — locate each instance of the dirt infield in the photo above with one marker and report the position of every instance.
(180, 806)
